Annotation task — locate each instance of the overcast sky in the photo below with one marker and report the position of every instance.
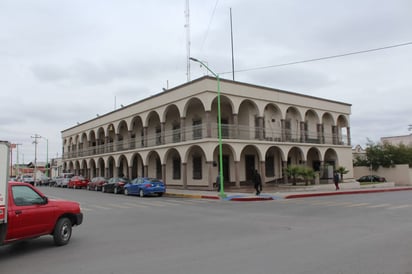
(63, 62)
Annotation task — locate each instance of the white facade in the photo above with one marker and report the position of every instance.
(397, 140)
(173, 135)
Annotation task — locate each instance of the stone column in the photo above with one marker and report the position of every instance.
(210, 175)
(208, 125)
(283, 129)
(164, 173)
(235, 134)
(237, 175)
(285, 176)
(348, 137)
(145, 129)
(182, 129)
(302, 132)
(162, 133)
(184, 175)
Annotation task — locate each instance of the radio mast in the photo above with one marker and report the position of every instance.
(187, 26)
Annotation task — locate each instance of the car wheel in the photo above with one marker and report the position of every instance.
(103, 189)
(115, 190)
(160, 194)
(96, 188)
(62, 231)
(141, 193)
(126, 191)
(88, 187)
(74, 186)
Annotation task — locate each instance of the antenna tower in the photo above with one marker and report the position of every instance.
(187, 26)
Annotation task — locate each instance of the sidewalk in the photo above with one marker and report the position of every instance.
(287, 192)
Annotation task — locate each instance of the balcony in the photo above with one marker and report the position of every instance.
(199, 132)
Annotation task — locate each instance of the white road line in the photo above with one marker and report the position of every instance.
(134, 205)
(379, 205)
(118, 206)
(100, 207)
(357, 205)
(400, 206)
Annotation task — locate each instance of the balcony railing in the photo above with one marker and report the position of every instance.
(200, 132)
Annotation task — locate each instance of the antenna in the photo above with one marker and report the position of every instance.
(187, 26)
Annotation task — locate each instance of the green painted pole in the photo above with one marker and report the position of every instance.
(219, 125)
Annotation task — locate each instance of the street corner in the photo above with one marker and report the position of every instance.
(251, 198)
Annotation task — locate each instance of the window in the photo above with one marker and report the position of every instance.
(197, 129)
(176, 133)
(24, 195)
(197, 167)
(176, 168)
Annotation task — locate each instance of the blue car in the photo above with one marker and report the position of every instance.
(145, 186)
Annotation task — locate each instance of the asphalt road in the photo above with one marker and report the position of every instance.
(336, 234)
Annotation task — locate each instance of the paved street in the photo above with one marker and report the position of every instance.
(367, 233)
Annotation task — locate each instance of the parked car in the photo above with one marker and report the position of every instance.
(63, 182)
(63, 179)
(27, 179)
(143, 186)
(114, 185)
(371, 178)
(96, 183)
(77, 182)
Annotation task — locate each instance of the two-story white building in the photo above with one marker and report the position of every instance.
(173, 135)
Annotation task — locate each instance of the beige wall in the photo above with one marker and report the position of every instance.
(400, 174)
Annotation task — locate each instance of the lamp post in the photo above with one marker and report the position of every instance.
(219, 125)
(47, 155)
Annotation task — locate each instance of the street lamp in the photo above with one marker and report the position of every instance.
(219, 125)
(47, 155)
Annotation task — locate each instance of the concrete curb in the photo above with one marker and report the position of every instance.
(193, 196)
(345, 192)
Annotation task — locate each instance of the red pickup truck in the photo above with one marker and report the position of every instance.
(28, 213)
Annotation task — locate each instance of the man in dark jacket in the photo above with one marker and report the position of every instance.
(257, 180)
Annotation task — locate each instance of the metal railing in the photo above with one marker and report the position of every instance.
(199, 132)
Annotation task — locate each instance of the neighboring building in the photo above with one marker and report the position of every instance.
(359, 152)
(173, 135)
(397, 140)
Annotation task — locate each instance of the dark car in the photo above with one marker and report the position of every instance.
(115, 185)
(145, 186)
(96, 183)
(371, 178)
(77, 182)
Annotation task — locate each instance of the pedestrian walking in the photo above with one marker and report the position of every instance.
(257, 180)
(336, 180)
(218, 182)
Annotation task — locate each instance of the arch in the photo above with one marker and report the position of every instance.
(296, 156)
(274, 158)
(311, 126)
(292, 124)
(272, 122)
(314, 159)
(122, 167)
(137, 166)
(196, 167)
(173, 167)
(195, 120)
(172, 126)
(328, 124)
(248, 120)
(226, 115)
(154, 165)
(250, 159)
(153, 129)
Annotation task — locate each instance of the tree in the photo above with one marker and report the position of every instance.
(307, 174)
(342, 170)
(293, 172)
(385, 155)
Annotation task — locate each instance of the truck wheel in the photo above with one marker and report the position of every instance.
(62, 231)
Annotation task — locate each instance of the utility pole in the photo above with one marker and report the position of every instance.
(35, 137)
(18, 163)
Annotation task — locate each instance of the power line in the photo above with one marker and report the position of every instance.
(208, 27)
(322, 58)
